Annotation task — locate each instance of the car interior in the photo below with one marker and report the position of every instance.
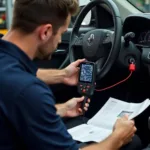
(122, 37)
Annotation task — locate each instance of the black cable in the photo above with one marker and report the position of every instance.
(82, 106)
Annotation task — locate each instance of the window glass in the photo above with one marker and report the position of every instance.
(143, 5)
(87, 19)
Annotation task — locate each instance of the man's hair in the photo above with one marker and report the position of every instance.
(29, 14)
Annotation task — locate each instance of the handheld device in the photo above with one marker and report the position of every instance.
(87, 76)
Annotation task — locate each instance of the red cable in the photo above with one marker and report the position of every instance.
(114, 84)
(131, 68)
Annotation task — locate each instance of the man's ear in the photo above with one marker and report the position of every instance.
(45, 32)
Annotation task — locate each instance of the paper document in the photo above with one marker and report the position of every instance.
(101, 125)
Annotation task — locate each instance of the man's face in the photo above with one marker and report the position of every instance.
(48, 46)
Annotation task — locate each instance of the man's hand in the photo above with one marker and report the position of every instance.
(72, 108)
(125, 129)
(68, 76)
(72, 72)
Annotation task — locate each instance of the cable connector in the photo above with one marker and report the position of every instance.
(132, 67)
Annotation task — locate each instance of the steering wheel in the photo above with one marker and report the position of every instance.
(101, 46)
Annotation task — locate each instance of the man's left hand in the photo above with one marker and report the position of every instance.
(73, 107)
(72, 73)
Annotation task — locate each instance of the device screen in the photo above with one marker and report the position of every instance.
(86, 74)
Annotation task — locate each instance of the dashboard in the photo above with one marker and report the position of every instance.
(140, 25)
(143, 38)
(137, 48)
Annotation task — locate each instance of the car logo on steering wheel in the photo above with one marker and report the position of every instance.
(91, 39)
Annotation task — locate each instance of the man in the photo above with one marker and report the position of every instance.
(29, 119)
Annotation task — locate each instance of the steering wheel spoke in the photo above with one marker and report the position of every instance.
(100, 62)
(108, 38)
(78, 41)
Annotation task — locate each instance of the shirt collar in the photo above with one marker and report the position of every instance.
(17, 53)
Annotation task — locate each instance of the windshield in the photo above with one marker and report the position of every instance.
(143, 5)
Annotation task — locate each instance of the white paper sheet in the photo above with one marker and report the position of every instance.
(85, 133)
(101, 125)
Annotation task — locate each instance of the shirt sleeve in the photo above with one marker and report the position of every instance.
(37, 123)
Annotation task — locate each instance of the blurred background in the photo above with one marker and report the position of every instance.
(143, 5)
(6, 8)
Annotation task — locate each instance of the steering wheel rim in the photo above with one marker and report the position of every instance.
(116, 44)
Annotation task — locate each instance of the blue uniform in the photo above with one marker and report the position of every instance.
(28, 119)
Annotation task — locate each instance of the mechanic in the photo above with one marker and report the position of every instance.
(29, 118)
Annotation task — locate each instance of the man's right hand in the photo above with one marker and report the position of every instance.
(123, 132)
(125, 129)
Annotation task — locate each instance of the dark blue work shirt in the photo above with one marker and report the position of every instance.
(28, 119)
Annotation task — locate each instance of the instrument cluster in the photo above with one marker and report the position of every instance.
(144, 38)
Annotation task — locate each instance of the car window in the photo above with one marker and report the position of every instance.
(88, 18)
(143, 5)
